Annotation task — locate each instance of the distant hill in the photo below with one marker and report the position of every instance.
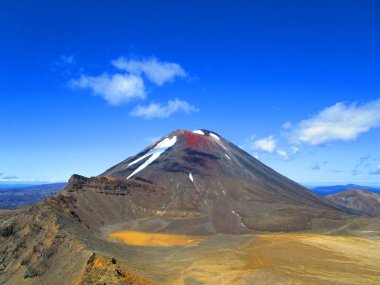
(15, 197)
(329, 190)
(365, 202)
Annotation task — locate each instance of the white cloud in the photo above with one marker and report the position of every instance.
(295, 149)
(267, 144)
(159, 72)
(283, 154)
(287, 125)
(340, 122)
(67, 59)
(156, 110)
(116, 89)
(376, 171)
(129, 82)
(362, 163)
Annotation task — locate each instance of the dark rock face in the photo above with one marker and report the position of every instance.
(363, 202)
(109, 186)
(99, 201)
(7, 231)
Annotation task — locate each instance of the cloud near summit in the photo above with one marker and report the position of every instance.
(155, 110)
(267, 144)
(158, 72)
(340, 122)
(116, 88)
(129, 83)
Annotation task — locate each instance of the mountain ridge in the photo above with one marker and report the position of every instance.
(333, 189)
(362, 201)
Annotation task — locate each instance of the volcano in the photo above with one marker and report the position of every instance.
(206, 176)
(188, 184)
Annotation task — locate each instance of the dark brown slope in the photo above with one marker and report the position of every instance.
(207, 176)
(59, 241)
(364, 202)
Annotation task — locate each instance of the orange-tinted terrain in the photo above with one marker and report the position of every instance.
(154, 239)
(259, 259)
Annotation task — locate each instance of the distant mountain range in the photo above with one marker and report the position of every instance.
(15, 197)
(329, 190)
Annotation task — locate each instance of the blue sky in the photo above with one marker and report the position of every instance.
(84, 84)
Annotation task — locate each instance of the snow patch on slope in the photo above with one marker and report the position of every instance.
(154, 153)
(199, 132)
(215, 136)
(227, 156)
(191, 177)
(237, 215)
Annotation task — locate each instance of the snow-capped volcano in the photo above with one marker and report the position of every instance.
(206, 176)
(196, 148)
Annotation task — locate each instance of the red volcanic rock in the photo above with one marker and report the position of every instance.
(199, 141)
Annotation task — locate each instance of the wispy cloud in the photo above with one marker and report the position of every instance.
(358, 168)
(151, 140)
(159, 72)
(315, 166)
(295, 149)
(340, 122)
(283, 154)
(376, 171)
(67, 60)
(129, 83)
(116, 89)
(65, 65)
(267, 144)
(8, 178)
(156, 110)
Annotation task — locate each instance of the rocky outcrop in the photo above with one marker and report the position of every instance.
(102, 269)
